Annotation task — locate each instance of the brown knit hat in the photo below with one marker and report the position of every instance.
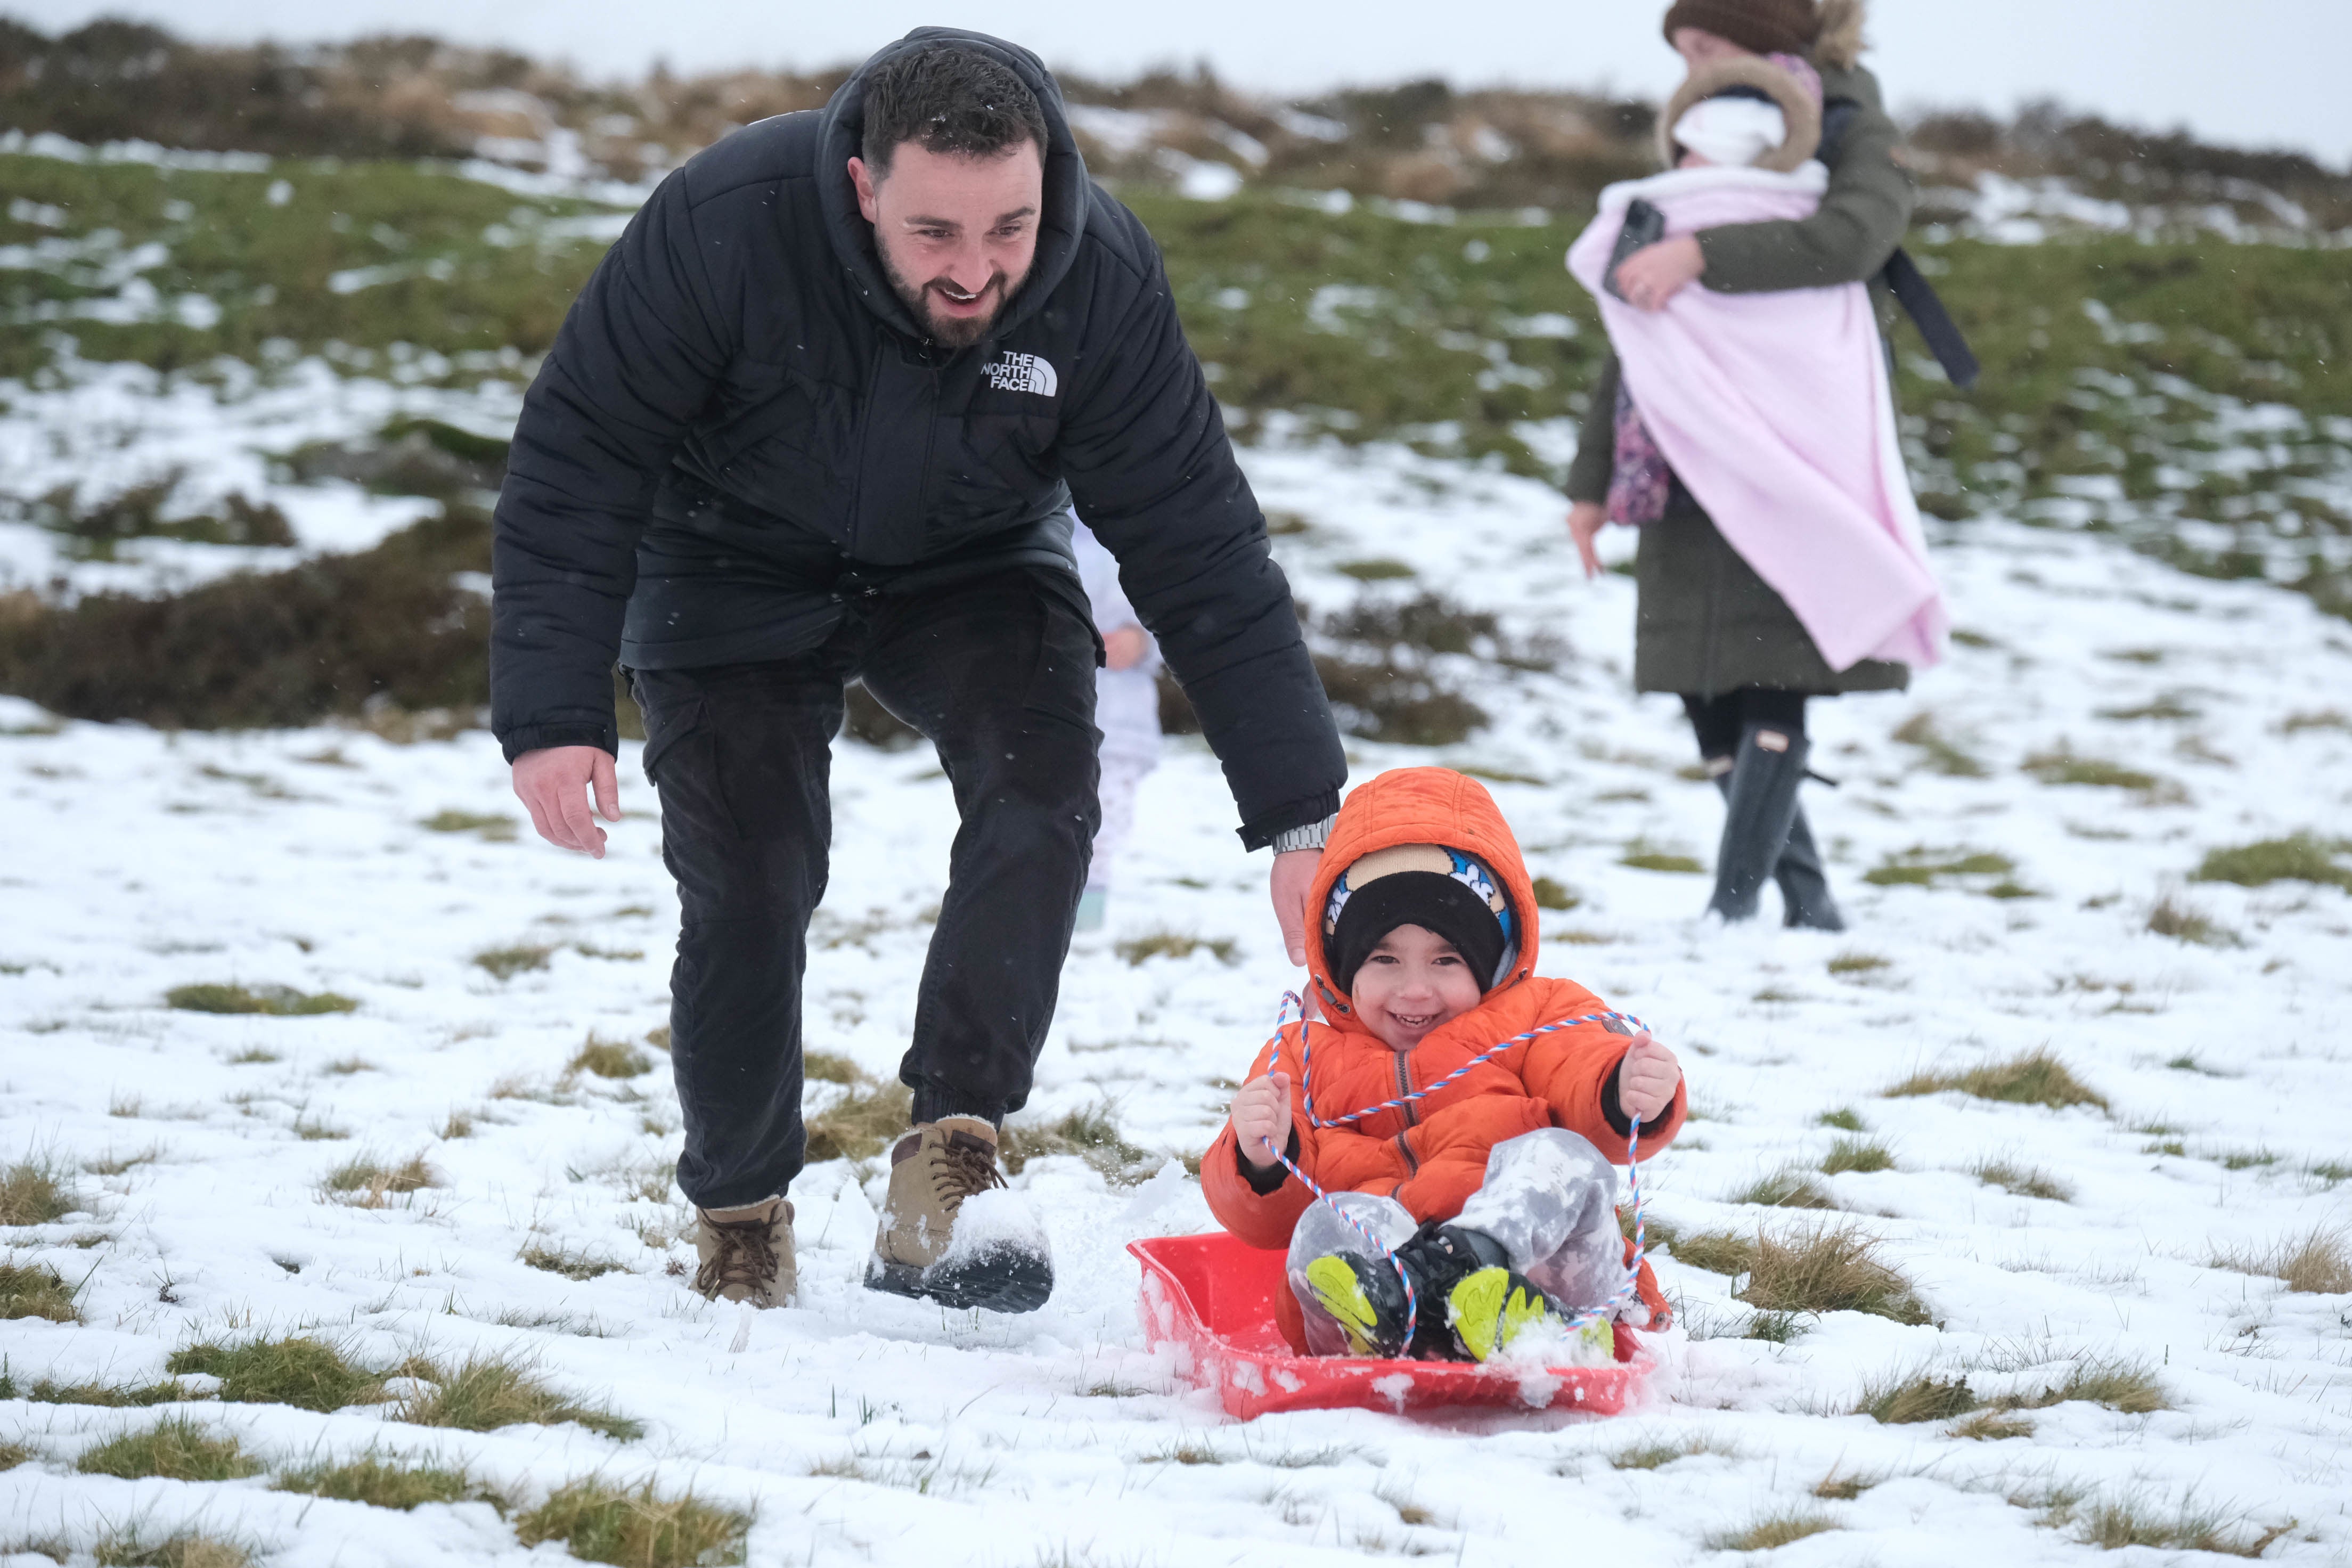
(1759, 26)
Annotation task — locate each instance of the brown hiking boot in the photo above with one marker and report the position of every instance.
(746, 1254)
(950, 1229)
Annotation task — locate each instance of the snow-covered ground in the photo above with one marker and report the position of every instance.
(858, 1427)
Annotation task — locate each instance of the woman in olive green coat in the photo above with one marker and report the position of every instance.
(1709, 629)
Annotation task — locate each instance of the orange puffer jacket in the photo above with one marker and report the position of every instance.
(1429, 1155)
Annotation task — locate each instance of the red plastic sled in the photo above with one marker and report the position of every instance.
(1212, 1300)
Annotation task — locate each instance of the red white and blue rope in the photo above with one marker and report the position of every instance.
(1292, 1005)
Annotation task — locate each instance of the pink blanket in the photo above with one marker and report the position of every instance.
(1775, 412)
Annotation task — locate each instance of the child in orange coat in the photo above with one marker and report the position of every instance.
(1495, 1188)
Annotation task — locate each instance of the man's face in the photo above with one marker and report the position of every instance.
(957, 235)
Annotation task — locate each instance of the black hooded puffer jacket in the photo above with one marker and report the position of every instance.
(740, 426)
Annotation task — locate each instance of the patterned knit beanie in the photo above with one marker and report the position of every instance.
(1759, 26)
(1437, 889)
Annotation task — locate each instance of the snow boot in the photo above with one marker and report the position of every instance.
(1805, 900)
(1759, 813)
(746, 1254)
(1366, 1299)
(998, 1261)
(1491, 1309)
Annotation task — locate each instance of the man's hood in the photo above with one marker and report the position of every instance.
(1421, 805)
(842, 128)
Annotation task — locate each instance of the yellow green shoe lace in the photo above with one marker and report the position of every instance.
(1342, 1294)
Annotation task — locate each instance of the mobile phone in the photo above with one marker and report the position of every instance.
(1644, 225)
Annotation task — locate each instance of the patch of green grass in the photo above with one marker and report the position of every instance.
(1176, 944)
(254, 1056)
(2245, 1159)
(269, 1001)
(388, 1482)
(307, 1373)
(483, 1393)
(2332, 1171)
(2036, 1078)
(1831, 1269)
(1845, 1119)
(1914, 1398)
(2169, 709)
(2061, 766)
(1555, 895)
(1922, 868)
(365, 1182)
(1789, 1188)
(105, 1395)
(1641, 855)
(346, 1067)
(506, 962)
(2299, 858)
(609, 1058)
(1380, 569)
(600, 1522)
(1772, 1531)
(1774, 1327)
(35, 1290)
(1092, 1134)
(36, 1192)
(1856, 1154)
(493, 829)
(1716, 1251)
(2021, 1181)
(1658, 1454)
(567, 1262)
(1940, 753)
(175, 1448)
(1855, 963)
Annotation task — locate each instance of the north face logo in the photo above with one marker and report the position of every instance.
(1023, 372)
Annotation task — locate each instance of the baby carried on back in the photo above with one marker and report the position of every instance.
(1775, 410)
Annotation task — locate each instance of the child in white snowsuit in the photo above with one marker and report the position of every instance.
(1127, 711)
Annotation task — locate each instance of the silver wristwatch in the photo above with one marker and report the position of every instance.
(1314, 836)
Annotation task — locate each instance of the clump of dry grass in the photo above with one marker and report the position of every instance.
(2183, 922)
(33, 1190)
(1857, 1154)
(1839, 1487)
(367, 1183)
(382, 1482)
(175, 1448)
(1092, 1134)
(2037, 1078)
(1830, 1268)
(1774, 1530)
(863, 1123)
(1788, 1188)
(2114, 1523)
(271, 1001)
(2024, 1181)
(35, 1290)
(567, 1262)
(483, 1393)
(2127, 1387)
(183, 1549)
(2318, 1263)
(1991, 1426)
(1659, 1453)
(608, 1059)
(506, 962)
(1177, 944)
(1909, 1399)
(601, 1523)
(1716, 1251)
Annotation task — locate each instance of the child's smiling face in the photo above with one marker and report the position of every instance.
(1413, 982)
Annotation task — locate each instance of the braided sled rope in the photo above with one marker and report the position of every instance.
(1292, 1005)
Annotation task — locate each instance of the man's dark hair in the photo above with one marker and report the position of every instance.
(950, 99)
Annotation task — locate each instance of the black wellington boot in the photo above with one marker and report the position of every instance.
(1760, 810)
(1804, 885)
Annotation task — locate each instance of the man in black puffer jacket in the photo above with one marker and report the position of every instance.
(821, 416)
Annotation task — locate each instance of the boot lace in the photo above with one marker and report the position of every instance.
(967, 1165)
(746, 1256)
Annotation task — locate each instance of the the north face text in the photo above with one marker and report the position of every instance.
(1023, 372)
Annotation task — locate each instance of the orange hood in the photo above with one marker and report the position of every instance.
(1420, 805)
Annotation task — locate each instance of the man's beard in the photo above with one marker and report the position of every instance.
(949, 331)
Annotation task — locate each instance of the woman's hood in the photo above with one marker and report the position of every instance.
(1420, 805)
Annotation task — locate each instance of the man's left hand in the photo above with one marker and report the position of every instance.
(1656, 273)
(1292, 878)
(1646, 1079)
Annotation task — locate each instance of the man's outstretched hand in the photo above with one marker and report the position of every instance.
(1293, 876)
(554, 783)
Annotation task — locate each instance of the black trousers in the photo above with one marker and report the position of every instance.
(1719, 721)
(999, 674)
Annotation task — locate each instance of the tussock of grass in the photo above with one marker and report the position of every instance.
(2127, 1387)
(2184, 921)
(1772, 1531)
(1920, 866)
(1856, 963)
(1716, 1251)
(1555, 895)
(609, 1058)
(862, 1123)
(11, 1456)
(457, 1124)
(572, 1265)
(382, 1482)
(2061, 766)
(254, 1056)
(506, 962)
(271, 1001)
(105, 1395)
(1990, 1426)
(2117, 1523)
(1092, 1134)
(184, 1549)
(112, 1164)
(1641, 855)
(1832, 1269)
(1846, 1118)
(307, 1373)
(35, 1192)
(824, 1066)
(2023, 1181)
(2317, 1264)
(175, 1448)
(1657, 1454)
(2299, 858)
(483, 1393)
(319, 1129)
(1856, 1154)
(1137, 950)
(368, 1182)
(493, 829)
(1785, 1189)
(34, 1291)
(345, 1066)
(1908, 1401)
(2036, 1078)
(603, 1523)
(1839, 1487)
(1940, 753)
